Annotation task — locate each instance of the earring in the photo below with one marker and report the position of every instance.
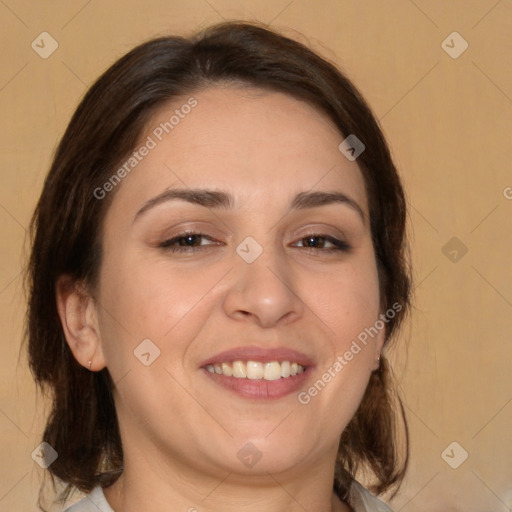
(90, 362)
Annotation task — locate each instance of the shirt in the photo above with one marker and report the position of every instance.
(360, 500)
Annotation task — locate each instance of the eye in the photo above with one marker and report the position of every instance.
(190, 242)
(187, 242)
(323, 243)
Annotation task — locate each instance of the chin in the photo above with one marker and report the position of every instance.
(260, 455)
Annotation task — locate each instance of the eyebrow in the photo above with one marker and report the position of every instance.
(220, 199)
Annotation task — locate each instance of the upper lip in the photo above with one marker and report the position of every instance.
(254, 353)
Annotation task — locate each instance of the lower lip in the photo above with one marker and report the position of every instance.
(261, 389)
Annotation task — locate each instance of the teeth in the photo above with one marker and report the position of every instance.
(227, 370)
(272, 371)
(255, 370)
(239, 370)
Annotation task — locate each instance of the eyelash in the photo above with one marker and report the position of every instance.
(168, 245)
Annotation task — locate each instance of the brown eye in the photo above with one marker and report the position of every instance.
(187, 242)
(323, 242)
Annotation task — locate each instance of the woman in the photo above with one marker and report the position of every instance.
(218, 263)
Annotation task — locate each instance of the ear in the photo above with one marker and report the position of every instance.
(79, 318)
(378, 345)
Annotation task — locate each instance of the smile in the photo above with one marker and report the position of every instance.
(256, 370)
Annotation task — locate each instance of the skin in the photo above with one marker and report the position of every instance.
(180, 431)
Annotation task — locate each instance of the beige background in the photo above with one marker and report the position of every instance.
(449, 124)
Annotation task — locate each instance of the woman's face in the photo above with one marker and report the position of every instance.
(240, 240)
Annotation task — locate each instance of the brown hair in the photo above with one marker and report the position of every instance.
(66, 229)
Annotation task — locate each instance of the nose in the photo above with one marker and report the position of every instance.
(263, 292)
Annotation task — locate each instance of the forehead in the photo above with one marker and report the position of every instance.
(253, 142)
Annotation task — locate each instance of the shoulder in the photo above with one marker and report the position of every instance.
(363, 501)
(95, 501)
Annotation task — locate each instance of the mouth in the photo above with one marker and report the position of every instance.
(256, 373)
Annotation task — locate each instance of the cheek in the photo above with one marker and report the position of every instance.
(142, 300)
(348, 301)
(348, 304)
